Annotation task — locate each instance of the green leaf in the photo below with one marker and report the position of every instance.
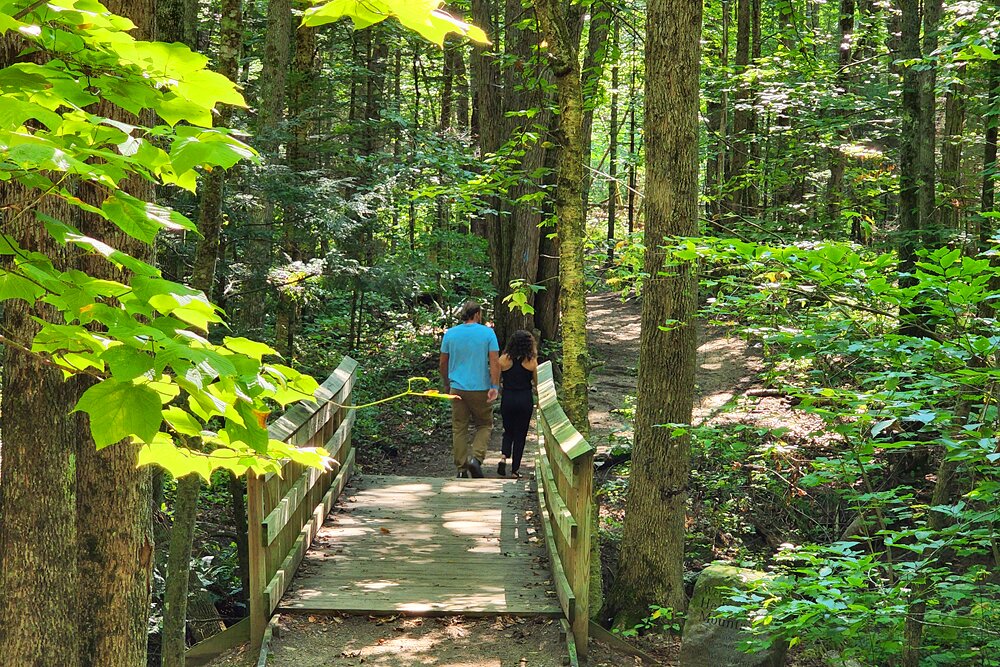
(881, 426)
(118, 410)
(15, 286)
(178, 461)
(209, 147)
(127, 363)
(250, 348)
(421, 16)
(183, 421)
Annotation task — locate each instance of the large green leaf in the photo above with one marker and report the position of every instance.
(118, 410)
(421, 16)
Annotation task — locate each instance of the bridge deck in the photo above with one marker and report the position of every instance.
(426, 546)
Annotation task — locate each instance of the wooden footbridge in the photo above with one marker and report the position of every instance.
(340, 542)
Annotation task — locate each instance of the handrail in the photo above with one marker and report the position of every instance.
(564, 470)
(284, 512)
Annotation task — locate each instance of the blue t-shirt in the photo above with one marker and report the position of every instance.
(468, 347)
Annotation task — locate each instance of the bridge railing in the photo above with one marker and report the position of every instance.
(285, 512)
(564, 469)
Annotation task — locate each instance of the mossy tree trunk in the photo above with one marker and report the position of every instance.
(653, 536)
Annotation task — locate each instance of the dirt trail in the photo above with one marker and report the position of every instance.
(307, 641)
(726, 366)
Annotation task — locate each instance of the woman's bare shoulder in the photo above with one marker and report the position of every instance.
(530, 364)
(505, 362)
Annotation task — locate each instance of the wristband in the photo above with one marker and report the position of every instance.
(494, 386)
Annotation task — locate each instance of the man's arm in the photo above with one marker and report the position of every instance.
(494, 376)
(443, 370)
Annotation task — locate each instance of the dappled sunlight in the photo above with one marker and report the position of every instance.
(428, 545)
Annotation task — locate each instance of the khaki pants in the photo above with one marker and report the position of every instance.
(473, 407)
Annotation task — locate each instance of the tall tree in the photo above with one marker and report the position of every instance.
(114, 557)
(504, 93)
(268, 126)
(743, 115)
(653, 535)
(38, 573)
(613, 147)
(569, 210)
(173, 643)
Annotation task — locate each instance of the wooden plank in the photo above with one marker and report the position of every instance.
(265, 645)
(332, 405)
(617, 643)
(429, 609)
(557, 458)
(570, 441)
(342, 435)
(286, 507)
(579, 576)
(556, 505)
(278, 584)
(282, 513)
(294, 418)
(255, 515)
(204, 652)
(567, 632)
(567, 598)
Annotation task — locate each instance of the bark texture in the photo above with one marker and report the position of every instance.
(569, 211)
(653, 533)
(500, 91)
(256, 256)
(38, 573)
(113, 510)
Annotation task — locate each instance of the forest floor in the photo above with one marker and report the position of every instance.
(727, 368)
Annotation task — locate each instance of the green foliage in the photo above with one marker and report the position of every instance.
(421, 16)
(521, 292)
(189, 404)
(660, 619)
(821, 309)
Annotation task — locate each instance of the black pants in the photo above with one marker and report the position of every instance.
(516, 407)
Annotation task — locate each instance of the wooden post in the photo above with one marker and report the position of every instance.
(583, 473)
(255, 519)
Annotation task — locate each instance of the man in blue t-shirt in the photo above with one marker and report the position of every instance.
(470, 368)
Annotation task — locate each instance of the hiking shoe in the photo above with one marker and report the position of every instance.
(475, 468)
(462, 474)
(502, 469)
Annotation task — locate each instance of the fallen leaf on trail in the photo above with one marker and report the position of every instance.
(384, 530)
(312, 619)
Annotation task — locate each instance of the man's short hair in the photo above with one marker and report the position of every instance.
(470, 309)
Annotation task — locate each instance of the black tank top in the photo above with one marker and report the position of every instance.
(517, 378)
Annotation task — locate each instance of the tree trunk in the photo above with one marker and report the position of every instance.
(38, 575)
(927, 127)
(175, 598)
(594, 57)
(501, 93)
(114, 557)
(251, 307)
(838, 159)
(633, 156)
(909, 148)
(203, 278)
(987, 199)
(653, 534)
(613, 151)
(736, 177)
(953, 193)
(569, 212)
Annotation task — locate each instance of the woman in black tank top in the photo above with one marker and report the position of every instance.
(518, 369)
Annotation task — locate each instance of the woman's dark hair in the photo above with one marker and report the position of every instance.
(520, 346)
